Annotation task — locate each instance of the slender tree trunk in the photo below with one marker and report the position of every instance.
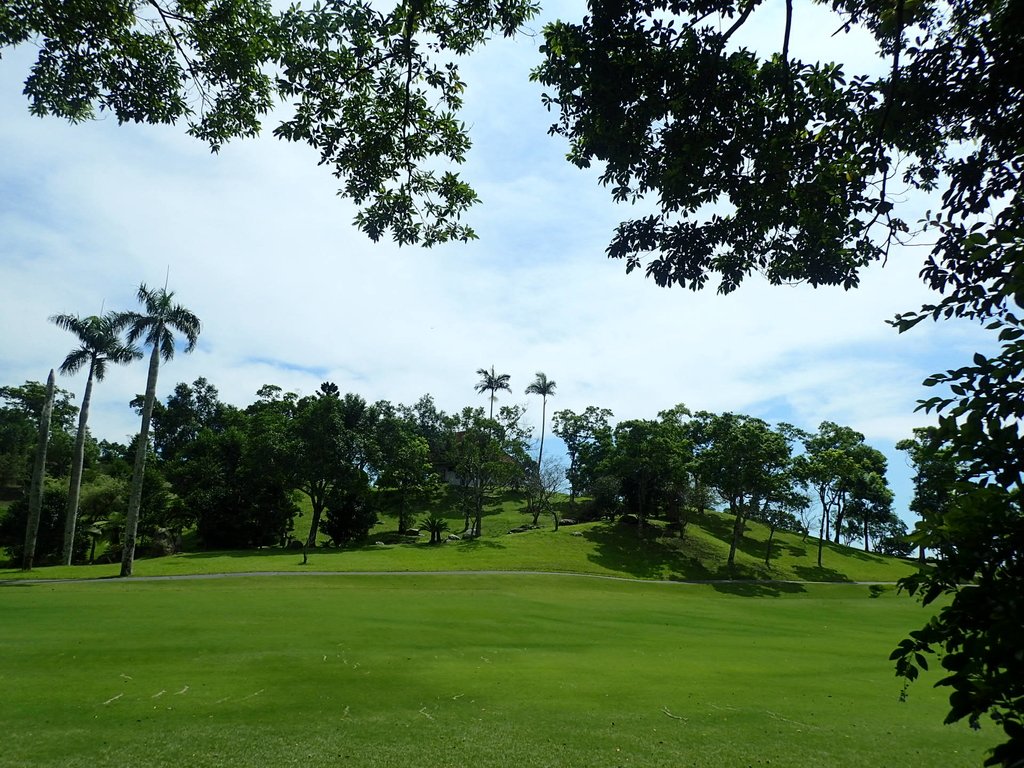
(314, 527)
(75, 488)
(35, 496)
(837, 526)
(318, 499)
(543, 421)
(737, 530)
(131, 525)
(768, 550)
(866, 535)
(822, 531)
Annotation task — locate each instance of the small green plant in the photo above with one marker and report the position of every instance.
(435, 525)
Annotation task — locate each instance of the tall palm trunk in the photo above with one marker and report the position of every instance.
(543, 423)
(35, 496)
(75, 488)
(131, 525)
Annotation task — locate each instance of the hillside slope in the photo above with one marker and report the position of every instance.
(598, 548)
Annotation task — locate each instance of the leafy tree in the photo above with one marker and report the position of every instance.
(350, 512)
(373, 91)
(748, 464)
(492, 382)
(516, 438)
(544, 387)
(332, 446)
(19, 421)
(403, 465)
(651, 460)
(588, 439)
(99, 343)
(936, 473)
(156, 327)
(48, 525)
(869, 511)
(477, 453)
(188, 410)
(835, 459)
(432, 424)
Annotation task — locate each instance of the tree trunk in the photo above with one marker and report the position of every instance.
(35, 496)
(737, 530)
(768, 551)
(866, 536)
(75, 488)
(131, 525)
(543, 419)
(837, 527)
(822, 531)
(314, 527)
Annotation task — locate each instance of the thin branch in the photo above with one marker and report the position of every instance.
(740, 21)
(785, 63)
(164, 16)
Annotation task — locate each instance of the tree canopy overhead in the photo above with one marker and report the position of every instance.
(375, 91)
(789, 168)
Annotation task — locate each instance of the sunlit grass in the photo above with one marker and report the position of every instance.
(461, 671)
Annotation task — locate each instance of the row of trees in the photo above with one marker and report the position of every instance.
(683, 462)
(230, 473)
(102, 340)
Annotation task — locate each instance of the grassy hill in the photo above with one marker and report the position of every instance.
(597, 548)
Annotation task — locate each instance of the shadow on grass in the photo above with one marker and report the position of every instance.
(819, 573)
(472, 545)
(621, 548)
(759, 588)
(720, 526)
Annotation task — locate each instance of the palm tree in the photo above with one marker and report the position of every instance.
(100, 343)
(492, 382)
(156, 328)
(544, 387)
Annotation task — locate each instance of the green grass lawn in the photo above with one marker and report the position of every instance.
(466, 670)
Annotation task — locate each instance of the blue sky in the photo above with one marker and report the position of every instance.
(259, 246)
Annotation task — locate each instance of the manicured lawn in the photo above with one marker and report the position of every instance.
(468, 670)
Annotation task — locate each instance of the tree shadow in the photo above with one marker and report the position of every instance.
(720, 526)
(622, 548)
(759, 588)
(820, 573)
(473, 544)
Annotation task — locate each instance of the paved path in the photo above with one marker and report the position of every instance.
(248, 574)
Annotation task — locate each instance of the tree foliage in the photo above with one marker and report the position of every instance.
(374, 91)
(588, 438)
